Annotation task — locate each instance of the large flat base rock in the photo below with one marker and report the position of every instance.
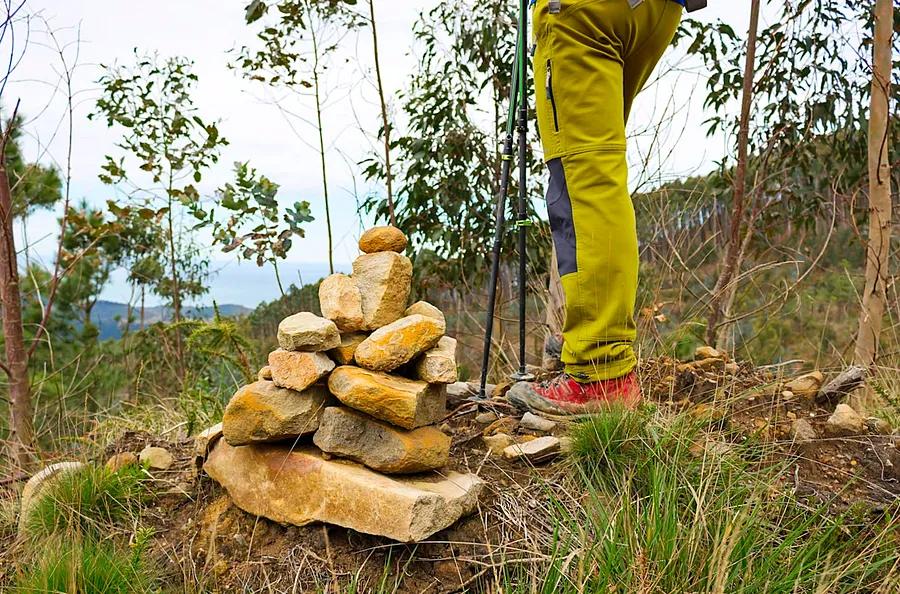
(299, 487)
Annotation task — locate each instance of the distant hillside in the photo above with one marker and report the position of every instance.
(108, 316)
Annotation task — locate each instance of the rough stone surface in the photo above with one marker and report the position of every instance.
(350, 434)
(536, 423)
(878, 426)
(707, 352)
(265, 374)
(497, 443)
(298, 371)
(486, 418)
(341, 302)
(405, 403)
(802, 430)
(423, 308)
(156, 458)
(534, 451)
(384, 281)
(845, 421)
(39, 483)
(117, 462)
(399, 342)
(349, 342)
(306, 331)
(205, 440)
(438, 365)
(383, 239)
(262, 411)
(297, 486)
(806, 386)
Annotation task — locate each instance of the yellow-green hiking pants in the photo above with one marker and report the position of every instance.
(591, 60)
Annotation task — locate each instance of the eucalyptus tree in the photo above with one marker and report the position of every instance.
(448, 156)
(255, 228)
(164, 149)
(810, 92)
(386, 125)
(296, 39)
(878, 248)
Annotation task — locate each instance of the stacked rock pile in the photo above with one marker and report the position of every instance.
(367, 382)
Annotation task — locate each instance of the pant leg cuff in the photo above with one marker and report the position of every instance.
(596, 372)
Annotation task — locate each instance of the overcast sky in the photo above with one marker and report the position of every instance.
(205, 31)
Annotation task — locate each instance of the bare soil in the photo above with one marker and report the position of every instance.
(203, 543)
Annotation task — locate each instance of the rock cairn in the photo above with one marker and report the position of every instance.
(340, 426)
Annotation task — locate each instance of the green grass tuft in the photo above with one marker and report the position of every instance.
(86, 502)
(86, 567)
(656, 511)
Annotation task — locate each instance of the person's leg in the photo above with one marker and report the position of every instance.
(591, 59)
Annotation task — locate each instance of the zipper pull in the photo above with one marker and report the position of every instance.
(555, 6)
(548, 84)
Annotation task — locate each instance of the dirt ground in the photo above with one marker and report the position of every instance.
(203, 543)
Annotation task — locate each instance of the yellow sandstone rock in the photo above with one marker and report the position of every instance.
(350, 434)
(384, 281)
(121, 460)
(424, 308)
(295, 485)
(341, 302)
(405, 403)
(535, 450)
(708, 352)
(204, 441)
(383, 239)
(806, 386)
(298, 370)
(399, 342)
(438, 365)
(306, 331)
(262, 411)
(344, 354)
(845, 421)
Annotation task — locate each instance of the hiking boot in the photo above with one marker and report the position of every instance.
(565, 396)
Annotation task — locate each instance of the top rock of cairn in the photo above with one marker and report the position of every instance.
(383, 239)
(375, 461)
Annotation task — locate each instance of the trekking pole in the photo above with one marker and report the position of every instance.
(522, 220)
(517, 103)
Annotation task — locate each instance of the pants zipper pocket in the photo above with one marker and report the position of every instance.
(550, 96)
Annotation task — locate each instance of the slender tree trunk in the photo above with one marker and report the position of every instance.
(21, 422)
(740, 184)
(143, 294)
(318, 95)
(385, 120)
(278, 277)
(176, 290)
(879, 244)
